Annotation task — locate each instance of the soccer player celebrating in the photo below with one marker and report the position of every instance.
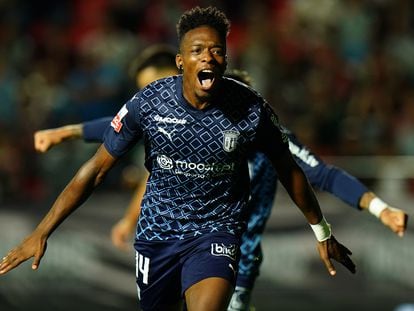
(160, 60)
(199, 129)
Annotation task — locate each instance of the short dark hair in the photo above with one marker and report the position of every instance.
(209, 16)
(157, 55)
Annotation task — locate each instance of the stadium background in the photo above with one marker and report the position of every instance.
(338, 73)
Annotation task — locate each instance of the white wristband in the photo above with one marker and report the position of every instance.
(322, 230)
(376, 206)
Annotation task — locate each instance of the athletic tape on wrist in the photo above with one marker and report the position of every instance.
(376, 206)
(322, 230)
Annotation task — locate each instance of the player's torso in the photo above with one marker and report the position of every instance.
(197, 159)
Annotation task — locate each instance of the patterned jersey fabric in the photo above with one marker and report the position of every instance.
(197, 159)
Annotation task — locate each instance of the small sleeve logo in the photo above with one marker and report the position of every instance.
(116, 122)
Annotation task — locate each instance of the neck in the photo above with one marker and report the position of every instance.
(194, 100)
(202, 106)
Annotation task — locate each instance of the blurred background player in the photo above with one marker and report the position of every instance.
(157, 62)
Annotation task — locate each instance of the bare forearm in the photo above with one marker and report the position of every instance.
(303, 195)
(297, 185)
(366, 199)
(71, 131)
(134, 208)
(75, 193)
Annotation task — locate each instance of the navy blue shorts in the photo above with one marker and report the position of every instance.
(166, 269)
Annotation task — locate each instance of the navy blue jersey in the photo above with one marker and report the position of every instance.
(197, 159)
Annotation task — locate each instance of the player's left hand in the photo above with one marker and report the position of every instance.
(331, 248)
(395, 219)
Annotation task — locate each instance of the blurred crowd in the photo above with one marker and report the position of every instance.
(340, 73)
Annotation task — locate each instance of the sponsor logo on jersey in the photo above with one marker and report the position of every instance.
(116, 122)
(172, 120)
(220, 249)
(202, 170)
(165, 162)
(230, 140)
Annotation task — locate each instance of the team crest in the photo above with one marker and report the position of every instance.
(230, 140)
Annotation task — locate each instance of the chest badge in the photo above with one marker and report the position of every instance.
(230, 140)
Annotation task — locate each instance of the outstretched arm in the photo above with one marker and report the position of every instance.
(299, 189)
(297, 185)
(346, 187)
(91, 131)
(89, 176)
(46, 139)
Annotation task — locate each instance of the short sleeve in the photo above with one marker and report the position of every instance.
(271, 140)
(125, 129)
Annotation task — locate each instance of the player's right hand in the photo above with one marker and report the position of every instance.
(32, 246)
(331, 248)
(45, 139)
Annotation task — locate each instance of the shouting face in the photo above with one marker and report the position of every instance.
(203, 61)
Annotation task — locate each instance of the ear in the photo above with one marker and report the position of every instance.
(179, 61)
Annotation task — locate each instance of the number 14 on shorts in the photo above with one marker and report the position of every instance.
(142, 267)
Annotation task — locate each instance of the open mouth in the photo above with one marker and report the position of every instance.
(206, 78)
